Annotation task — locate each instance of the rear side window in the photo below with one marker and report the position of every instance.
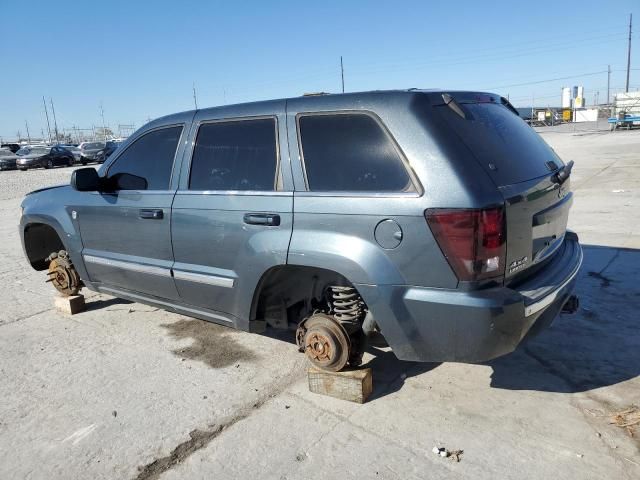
(352, 153)
(236, 155)
(150, 157)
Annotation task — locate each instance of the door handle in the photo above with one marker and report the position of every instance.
(152, 213)
(267, 219)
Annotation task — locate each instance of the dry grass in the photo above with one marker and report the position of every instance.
(629, 419)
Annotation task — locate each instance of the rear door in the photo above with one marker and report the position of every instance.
(521, 165)
(232, 214)
(126, 234)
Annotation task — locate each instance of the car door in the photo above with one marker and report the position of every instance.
(126, 233)
(232, 214)
(57, 156)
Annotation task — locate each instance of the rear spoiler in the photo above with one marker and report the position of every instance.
(451, 102)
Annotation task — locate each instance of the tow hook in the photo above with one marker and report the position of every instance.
(571, 305)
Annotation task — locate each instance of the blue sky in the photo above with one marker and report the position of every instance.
(141, 58)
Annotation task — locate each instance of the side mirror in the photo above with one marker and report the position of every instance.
(85, 180)
(127, 181)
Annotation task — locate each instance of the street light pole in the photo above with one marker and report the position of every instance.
(55, 122)
(47, 115)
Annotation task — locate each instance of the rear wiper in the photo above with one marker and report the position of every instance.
(561, 175)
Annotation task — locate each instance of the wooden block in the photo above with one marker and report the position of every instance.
(70, 305)
(351, 385)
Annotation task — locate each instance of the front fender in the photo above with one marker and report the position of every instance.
(46, 208)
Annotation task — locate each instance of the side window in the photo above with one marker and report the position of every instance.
(150, 157)
(351, 153)
(235, 155)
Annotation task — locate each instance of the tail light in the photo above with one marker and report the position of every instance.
(473, 241)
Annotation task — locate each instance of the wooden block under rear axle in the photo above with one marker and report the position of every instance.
(69, 305)
(351, 385)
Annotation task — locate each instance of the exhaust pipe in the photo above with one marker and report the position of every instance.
(571, 305)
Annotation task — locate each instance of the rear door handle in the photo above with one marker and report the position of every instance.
(152, 213)
(267, 219)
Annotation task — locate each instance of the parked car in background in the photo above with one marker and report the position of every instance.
(75, 150)
(108, 149)
(14, 147)
(436, 219)
(89, 151)
(7, 159)
(45, 157)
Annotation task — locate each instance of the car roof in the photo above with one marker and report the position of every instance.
(346, 99)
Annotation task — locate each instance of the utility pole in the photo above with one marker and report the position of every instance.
(608, 81)
(104, 130)
(626, 88)
(28, 136)
(195, 99)
(55, 122)
(47, 115)
(533, 101)
(342, 73)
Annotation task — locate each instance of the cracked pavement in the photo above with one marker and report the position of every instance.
(128, 391)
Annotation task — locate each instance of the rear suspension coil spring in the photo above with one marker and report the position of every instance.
(346, 304)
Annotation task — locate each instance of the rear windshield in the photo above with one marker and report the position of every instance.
(509, 149)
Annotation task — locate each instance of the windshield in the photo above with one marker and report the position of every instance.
(93, 146)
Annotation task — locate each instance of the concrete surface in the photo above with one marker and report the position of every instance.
(127, 391)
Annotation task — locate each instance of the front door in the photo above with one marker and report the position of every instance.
(233, 211)
(126, 233)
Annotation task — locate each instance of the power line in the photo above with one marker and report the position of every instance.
(546, 81)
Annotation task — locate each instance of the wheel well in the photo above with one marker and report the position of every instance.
(40, 240)
(287, 293)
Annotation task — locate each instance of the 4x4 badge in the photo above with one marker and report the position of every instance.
(518, 264)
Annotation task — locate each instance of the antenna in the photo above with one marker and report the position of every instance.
(195, 99)
(342, 73)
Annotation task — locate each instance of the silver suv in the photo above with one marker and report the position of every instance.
(436, 219)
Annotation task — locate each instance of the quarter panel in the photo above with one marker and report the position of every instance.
(343, 239)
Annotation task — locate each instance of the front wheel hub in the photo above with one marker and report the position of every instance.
(62, 275)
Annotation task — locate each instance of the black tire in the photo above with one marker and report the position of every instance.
(49, 164)
(70, 162)
(83, 162)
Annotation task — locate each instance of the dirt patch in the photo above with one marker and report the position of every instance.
(212, 344)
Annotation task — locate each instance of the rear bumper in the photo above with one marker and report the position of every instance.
(436, 325)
